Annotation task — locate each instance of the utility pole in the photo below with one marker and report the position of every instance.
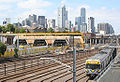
(74, 62)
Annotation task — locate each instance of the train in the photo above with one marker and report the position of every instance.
(40, 44)
(27, 45)
(97, 63)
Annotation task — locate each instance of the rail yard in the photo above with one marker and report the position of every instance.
(38, 70)
(51, 59)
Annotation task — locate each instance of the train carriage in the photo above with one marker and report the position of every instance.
(97, 63)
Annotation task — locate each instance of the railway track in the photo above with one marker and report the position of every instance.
(51, 72)
(17, 75)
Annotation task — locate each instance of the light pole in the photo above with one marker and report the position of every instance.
(74, 62)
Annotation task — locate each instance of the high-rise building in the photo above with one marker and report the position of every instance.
(41, 21)
(91, 26)
(69, 25)
(78, 21)
(81, 21)
(27, 22)
(83, 28)
(7, 21)
(33, 18)
(106, 27)
(46, 23)
(62, 17)
(83, 15)
(51, 23)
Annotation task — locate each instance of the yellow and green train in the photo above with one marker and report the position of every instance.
(30, 50)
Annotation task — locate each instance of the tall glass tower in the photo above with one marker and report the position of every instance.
(62, 16)
(83, 15)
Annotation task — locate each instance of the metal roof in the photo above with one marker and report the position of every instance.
(43, 34)
(98, 57)
(107, 51)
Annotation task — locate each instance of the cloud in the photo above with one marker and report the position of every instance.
(7, 1)
(5, 7)
(106, 15)
(33, 4)
(75, 12)
(63, 1)
(25, 14)
(101, 14)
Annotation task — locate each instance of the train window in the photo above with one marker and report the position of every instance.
(21, 42)
(102, 52)
(40, 42)
(92, 66)
(60, 43)
(103, 65)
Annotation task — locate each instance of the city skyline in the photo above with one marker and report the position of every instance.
(102, 11)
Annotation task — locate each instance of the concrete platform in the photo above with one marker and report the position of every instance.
(112, 74)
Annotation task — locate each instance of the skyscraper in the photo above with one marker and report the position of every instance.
(82, 26)
(91, 26)
(78, 21)
(62, 16)
(41, 21)
(83, 15)
(33, 18)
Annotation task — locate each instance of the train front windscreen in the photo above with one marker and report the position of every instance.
(92, 66)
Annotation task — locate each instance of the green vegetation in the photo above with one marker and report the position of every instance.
(50, 30)
(22, 30)
(11, 28)
(16, 52)
(66, 30)
(2, 48)
(77, 31)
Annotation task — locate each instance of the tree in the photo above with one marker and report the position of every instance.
(66, 30)
(17, 30)
(77, 31)
(50, 30)
(4, 29)
(22, 30)
(11, 28)
(2, 48)
(0, 28)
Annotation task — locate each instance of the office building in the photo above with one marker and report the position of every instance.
(83, 15)
(91, 26)
(78, 21)
(41, 21)
(51, 23)
(62, 17)
(106, 27)
(33, 18)
(83, 28)
(7, 21)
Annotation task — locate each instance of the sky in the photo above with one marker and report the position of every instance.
(102, 10)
